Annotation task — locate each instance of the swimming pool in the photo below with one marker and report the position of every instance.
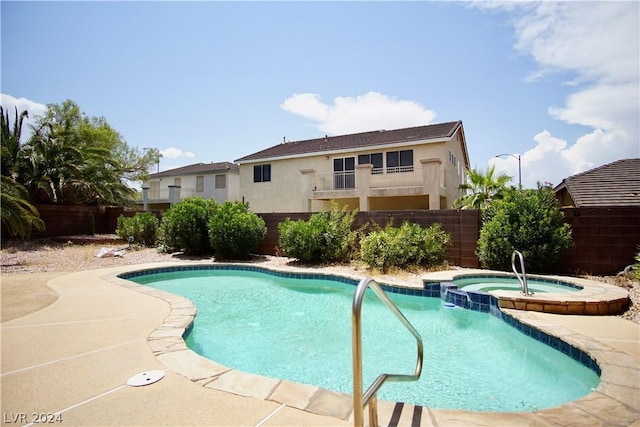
(491, 283)
(299, 329)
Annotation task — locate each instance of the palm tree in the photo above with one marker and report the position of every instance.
(71, 158)
(11, 141)
(18, 215)
(482, 187)
(75, 159)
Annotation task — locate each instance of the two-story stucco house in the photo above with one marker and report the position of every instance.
(412, 168)
(219, 181)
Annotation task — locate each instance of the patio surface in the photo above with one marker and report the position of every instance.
(72, 359)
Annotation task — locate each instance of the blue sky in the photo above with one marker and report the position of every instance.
(556, 83)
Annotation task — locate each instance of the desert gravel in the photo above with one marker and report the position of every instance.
(22, 257)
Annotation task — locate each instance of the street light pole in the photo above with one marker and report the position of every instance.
(515, 156)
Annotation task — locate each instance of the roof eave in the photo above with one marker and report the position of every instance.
(212, 171)
(347, 150)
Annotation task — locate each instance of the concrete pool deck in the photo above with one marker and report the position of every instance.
(72, 359)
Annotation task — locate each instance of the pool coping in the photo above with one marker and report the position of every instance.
(616, 400)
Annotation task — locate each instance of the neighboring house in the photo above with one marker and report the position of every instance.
(613, 184)
(412, 168)
(219, 181)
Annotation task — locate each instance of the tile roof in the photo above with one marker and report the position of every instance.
(356, 140)
(613, 184)
(197, 168)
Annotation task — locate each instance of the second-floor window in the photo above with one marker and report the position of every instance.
(221, 181)
(373, 159)
(199, 183)
(344, 173)
(154, 189)
(400, 161)
(262, 173)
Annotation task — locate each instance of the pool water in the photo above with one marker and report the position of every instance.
(486, 284)
(300, 330)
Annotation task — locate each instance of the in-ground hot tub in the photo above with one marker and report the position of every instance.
(551, 294)
(494, 283)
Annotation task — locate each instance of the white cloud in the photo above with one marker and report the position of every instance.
(602, 106)
(174, 153)
(596, 40)
(598, 45)
(547, 155)
(35, 109)
(370, 111)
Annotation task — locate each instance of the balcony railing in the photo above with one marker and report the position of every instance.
(163, 194)
(401, 176)
(344, 180)
(400, 169)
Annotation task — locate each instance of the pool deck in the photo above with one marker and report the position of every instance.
(72, 359)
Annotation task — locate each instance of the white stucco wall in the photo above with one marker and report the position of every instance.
(454, 172)
(293, 179)
(188, 187)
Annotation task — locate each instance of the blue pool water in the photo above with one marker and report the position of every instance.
(300, 330)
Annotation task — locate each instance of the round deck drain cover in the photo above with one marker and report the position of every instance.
(145, 378)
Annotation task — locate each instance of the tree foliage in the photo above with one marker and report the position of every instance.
(71, 158)
(528, 221)
(18, 215)
(481, 189)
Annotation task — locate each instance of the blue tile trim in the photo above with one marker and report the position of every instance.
(447, 291)
(223, 267)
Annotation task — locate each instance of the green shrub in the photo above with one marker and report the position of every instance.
(635, 273)
(234, 231)
(326, 237)
(404, 247)
(184, 226)
(143, 227)
(528, 221)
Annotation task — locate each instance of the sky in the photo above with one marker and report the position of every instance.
(554, 83)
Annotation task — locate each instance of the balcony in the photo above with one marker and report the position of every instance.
(366, 183)
(164, 195)
(171, 195)
(380, 178)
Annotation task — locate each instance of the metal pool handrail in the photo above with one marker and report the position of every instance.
(522, 279)
(360, 400)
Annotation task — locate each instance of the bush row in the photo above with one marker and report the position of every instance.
(232, 231)
(528, 221)
(329, 237)
(197, 226)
